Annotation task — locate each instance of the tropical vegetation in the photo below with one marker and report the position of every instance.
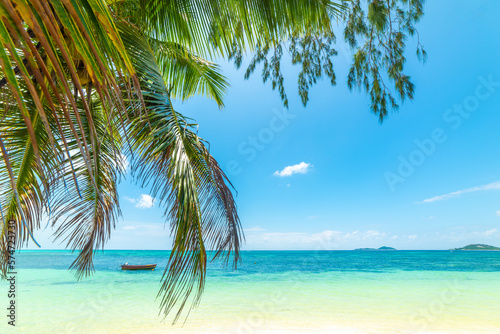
(478, 247)
(86, 86)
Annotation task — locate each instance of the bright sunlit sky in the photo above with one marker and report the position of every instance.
(330, 176)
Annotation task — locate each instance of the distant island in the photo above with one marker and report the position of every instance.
(477, 247)
(383, 248)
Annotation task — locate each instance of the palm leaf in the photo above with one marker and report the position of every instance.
(60, 47)
(186, 74)
(85, 215)
(173, 161)
(212, 27)
(78, 75)
(22, 195)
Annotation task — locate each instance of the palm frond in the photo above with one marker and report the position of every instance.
(85, 81)
(51, 52)
(173, 161)
(213, 27)
(85, 215)
(22, 194)
(186, 74)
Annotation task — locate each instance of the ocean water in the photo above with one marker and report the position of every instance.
(271, 292)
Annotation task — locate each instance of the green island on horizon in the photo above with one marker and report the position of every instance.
(470, 247)
(476, 247)
(383, 248)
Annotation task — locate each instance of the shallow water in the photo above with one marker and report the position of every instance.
(271, 292)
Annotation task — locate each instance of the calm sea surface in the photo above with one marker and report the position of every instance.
(271, 292)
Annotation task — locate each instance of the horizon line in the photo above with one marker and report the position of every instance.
(256, 250)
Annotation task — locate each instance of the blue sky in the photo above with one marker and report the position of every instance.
(329, 176)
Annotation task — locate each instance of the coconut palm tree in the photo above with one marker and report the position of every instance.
(88, 85)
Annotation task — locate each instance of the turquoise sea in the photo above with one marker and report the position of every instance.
(271, 292)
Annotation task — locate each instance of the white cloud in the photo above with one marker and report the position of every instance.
(129, 227)
(412, 237)
(323, 237)
(459, 235)
(301, 168)
(312, 217)
(328, 239)
(491, 186)
(498, 213)
(352, 235)
(145, 202)
(374, 234)
(490, 232)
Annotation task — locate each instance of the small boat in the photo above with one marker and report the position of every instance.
(127, 266)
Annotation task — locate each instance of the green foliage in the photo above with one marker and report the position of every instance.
(376, 31)
(188, 74)
(174, 163)
(89, 83)
(475, 247)
(313, 52)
